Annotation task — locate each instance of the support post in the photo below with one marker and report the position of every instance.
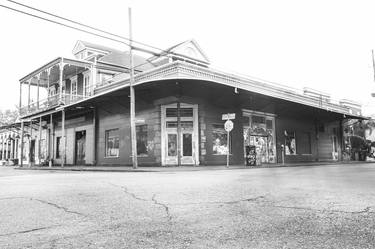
(178, 134)
(94, 136)
(63, 138)
(20, 100)
(30, 140)
(2, 148)
(51, 142)
(37, 92)
(61, 66)
(39, 140)
(28, 97)
(12, 148)
(22, 144)
(228, 149)
(132, 98)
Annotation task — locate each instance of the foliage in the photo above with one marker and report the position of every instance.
(8, 117)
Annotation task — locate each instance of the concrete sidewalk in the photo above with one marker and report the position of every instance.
(102, 168)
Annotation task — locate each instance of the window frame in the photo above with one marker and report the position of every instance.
(106, 133)
(217, 128)
(137, 136)
(295, 142)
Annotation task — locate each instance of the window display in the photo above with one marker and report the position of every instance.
(290, 143)
(259, 132)
(112, 143)
(219, 137)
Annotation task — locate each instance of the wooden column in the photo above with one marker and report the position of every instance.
(21, 152)
(30, 139)
(12, 148)
(51, 142)
(39, 139)
(48, 73)
(94, 136)
(61, 66)
(3, 148)
(28, 97)
(63, 137)
(20, 100)
(37, 92)
(178, 133)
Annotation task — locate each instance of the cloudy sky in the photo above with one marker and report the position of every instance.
(325, 45)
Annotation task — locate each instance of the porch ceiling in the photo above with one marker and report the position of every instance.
(50, 72)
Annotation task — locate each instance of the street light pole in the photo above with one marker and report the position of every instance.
(132, 97)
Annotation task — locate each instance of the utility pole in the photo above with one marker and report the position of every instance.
(132, 96)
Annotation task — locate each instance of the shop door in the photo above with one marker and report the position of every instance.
(80, 148)
(186, 148)
(171, 150)
(32, 151)
(180, 135)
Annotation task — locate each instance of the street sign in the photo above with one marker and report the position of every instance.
(228, 116)
(228, 125)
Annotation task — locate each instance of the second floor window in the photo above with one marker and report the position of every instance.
(86, 84)
(74, 86)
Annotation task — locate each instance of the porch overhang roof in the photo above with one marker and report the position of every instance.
(182, 70)
(57, 61)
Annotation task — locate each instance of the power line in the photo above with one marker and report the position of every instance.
(162, 51)
(65, 25)
(85, 25)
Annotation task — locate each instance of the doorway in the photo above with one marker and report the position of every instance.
(80, 148)
(180, 139)
(32, 151)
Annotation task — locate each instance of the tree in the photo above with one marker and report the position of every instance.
(8, 117)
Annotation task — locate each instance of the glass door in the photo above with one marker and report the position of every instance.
(171, 144)
(187, 147)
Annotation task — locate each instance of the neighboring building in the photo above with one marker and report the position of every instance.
(180, 100)
(10, 144)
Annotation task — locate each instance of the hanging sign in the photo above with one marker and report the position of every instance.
(228, 116)
(228, 125)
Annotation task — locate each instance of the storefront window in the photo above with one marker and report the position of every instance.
(290, 143)
(141, 140)
(43, 149)
(260, 134)
(59, 147)
(219, 137)
(112, 143)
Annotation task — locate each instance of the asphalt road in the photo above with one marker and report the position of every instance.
(297, 207)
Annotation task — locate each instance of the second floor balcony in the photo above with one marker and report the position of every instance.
(61, 82)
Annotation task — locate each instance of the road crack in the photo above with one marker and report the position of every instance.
(165, 206)
(365, 210)
(153, 200)
(28, 231)
(253, 199)
(126, 190)
(58, 207)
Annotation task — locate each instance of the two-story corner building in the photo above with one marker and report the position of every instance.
(83, 116)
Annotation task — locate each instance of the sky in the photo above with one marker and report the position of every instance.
(324, 45)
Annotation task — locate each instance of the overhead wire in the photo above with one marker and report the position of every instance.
(65, 25)
(85, 25)
(162, 51)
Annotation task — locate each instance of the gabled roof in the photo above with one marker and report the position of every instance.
(190, 49)
(114, 56)
(81, 45)
(123, 59)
